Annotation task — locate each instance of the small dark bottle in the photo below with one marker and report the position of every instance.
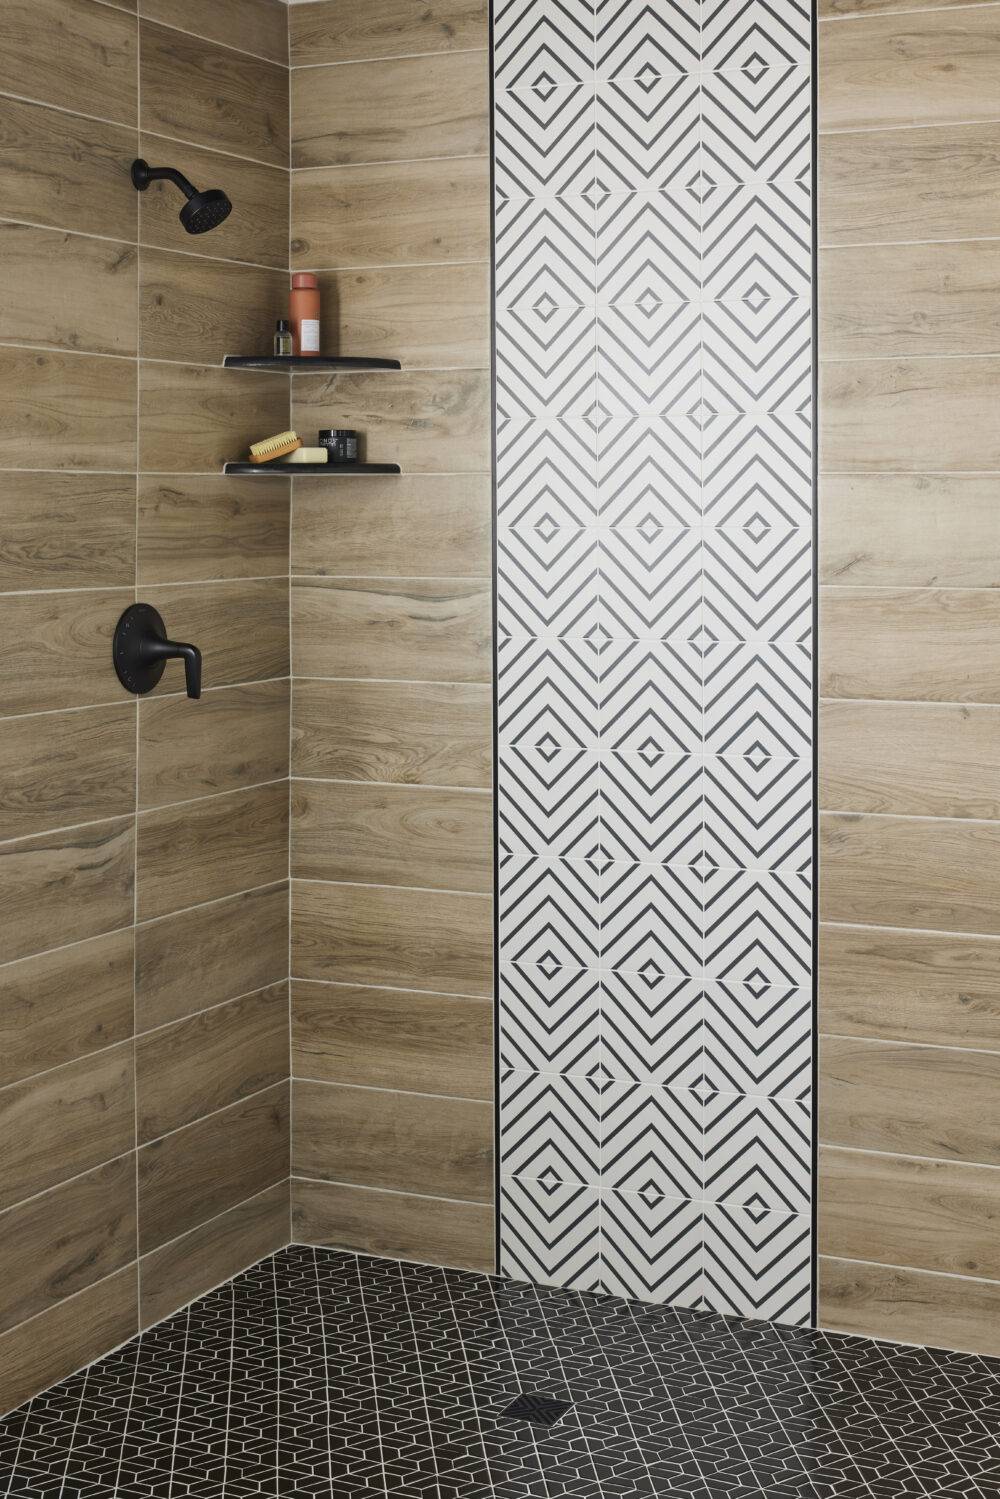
(341, 444)
(282, 339)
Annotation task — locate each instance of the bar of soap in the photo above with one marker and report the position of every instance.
(306, 455)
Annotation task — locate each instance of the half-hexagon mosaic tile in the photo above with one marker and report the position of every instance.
(320, 1373)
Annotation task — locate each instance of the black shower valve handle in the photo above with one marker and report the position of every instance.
(151, 650)
(141, 650)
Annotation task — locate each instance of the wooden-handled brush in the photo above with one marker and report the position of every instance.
(274, 447)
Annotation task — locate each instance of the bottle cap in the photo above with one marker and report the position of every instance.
(304, 279)
(283, 325)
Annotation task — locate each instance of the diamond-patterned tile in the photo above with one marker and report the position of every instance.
(654, 335)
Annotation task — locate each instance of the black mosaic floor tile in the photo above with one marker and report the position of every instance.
(317, 1373)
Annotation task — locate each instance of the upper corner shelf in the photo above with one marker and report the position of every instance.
(306, 363)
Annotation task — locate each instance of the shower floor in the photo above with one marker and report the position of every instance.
(323, 1373)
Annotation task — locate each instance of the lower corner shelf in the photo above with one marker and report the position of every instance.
(328, 470)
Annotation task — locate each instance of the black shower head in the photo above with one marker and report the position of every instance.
(205, 211)
(201, 212)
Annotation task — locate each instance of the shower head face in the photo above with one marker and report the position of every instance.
(205, 211)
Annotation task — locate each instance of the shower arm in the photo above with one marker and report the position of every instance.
(143, 174)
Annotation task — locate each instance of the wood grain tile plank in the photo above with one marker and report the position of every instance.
(431, 421)
(201, 851)
(324, 32)
(58, 888)
(66, 291)
(67, 1337)
(203, 1170)
(409, 939)
(910, 530)
(199, 310)
(186, 962)
(417, 631)
(397, 1225)
(210, 1060)
(238, 737)
(396, 109)
(392, 835)
(893, 71)
(397, 1141)
(87, 189)
(418, 734)
(67, 411)
(925, 759)
(206, 527)
(241, 628)
(409, 526)
(213, 1253)
(921, 300)
(193, 419)
(257, 228)
(57, 649)
(832, 9)
(926, 873)
(921, 987)
(259, 26)
(38, 1030)
(426, 316)
(933, 1215)
(73, 54)
(63, 1241)
(925, 645)
(66, 531)
(196, 90)
(910, 415)
(66, 768)
(931, 1101)
(396, 214)
(910, 1306)
(392, 1038)
(885, 186)
(65, 1122)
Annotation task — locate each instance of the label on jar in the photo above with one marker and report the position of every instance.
(309, 336)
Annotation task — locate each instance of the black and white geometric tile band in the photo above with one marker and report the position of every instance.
(335, 1375)
(654, 366)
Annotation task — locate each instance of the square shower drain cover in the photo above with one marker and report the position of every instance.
(540, 1410)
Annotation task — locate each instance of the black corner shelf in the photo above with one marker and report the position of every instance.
(299, 470)
(311, 364)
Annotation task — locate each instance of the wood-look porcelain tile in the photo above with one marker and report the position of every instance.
(410, 526)
(394, 214)
(238, 737)
(39, 1030)
(200, 851)
(394, 1224)
(196, 90)
(57, 888)
(66, 768)
(403, 1141)
(414, 733)
(210, 1060)
(186, 962)
(408, 939)
(392, 1038)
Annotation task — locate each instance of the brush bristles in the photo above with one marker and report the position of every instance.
(274, 447)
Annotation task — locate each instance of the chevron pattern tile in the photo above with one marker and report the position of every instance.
(654, 375)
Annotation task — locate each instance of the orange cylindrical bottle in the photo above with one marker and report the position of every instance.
(303, 313)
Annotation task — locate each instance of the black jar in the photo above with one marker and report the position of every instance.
(340, 443)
